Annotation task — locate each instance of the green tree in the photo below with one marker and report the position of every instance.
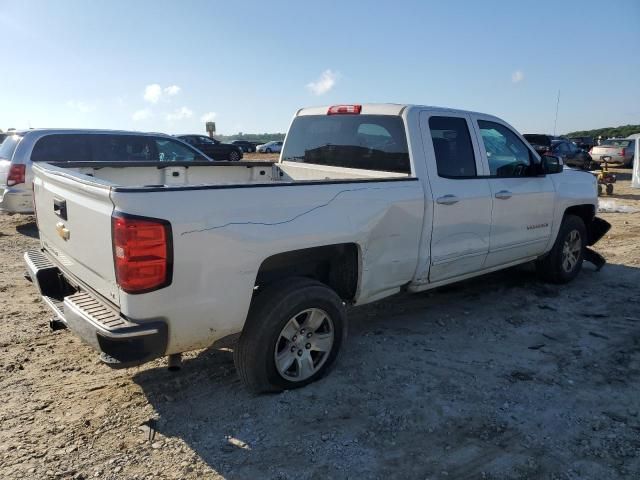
(607, 132)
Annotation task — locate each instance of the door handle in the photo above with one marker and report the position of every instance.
(503, 195)
(447, 200)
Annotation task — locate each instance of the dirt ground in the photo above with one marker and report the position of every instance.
(498, 377)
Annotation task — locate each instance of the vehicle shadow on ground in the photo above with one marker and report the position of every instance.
(620, 176)
(381, 413)
(625, 196)
(30, 229)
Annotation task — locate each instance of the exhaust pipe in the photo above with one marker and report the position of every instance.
(174, 362)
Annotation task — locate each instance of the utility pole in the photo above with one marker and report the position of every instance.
(555, 123)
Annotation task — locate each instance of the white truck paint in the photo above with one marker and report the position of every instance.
(415, 230)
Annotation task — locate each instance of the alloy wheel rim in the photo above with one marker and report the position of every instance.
(571, 251)
(304, 344)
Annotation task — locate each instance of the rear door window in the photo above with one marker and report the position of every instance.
(141, 148)
(62, 148)
(452, 146)
(123, 148)
(617, 143)
(8, 146)
(369, 142)
(172, 151)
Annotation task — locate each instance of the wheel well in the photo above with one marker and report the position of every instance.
(585, 212)
(333, 265)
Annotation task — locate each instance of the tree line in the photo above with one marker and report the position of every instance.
(608, 132)
(253, 137)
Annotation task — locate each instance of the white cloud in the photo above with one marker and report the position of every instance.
(325, 83)
(179, 114)
(517, 76)
(80, 106)
(172, 90)
(143, 114)
(152, 93)
(208, 117)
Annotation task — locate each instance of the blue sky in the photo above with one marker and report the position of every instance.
(168, 66)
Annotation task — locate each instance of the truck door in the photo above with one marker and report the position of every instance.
(523, 200)
(461, 198)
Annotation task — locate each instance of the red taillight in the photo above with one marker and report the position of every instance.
(142, 253)
(344, 109)
(591, 151)
(16, 175)
(622, 152)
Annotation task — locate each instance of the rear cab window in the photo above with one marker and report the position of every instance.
(617, 143)
(368, 142)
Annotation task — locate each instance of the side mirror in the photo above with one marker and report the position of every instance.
(551, 164)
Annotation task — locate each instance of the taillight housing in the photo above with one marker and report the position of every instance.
(344, 110)
(623, 152)
(142, 252)
(16, 175)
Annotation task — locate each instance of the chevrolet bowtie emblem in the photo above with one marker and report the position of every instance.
(63, 231)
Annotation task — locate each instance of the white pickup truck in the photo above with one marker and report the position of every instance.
(144, 260)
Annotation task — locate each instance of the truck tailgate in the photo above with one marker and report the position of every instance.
(74, 219)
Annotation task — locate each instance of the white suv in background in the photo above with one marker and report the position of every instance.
(20, 149)
(269, 147)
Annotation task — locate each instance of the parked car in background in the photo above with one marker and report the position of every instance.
(619, 150)
(571, 154)
(366, 201)
(269, 147)
(541, 143)
(213, 148)
(245, 145)
(584, 143)
(22, 148)
(2, 137)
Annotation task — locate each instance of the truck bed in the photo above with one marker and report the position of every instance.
(144, 175)
(221, 215)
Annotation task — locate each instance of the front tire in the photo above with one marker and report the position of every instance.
(292, 336)
(234, 156)
(564, 261)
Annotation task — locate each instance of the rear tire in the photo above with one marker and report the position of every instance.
(564, 261)
(281, 347)
(234, 156)
(609, 189)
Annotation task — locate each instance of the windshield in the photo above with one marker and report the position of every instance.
(370, 142)
(9, 146)
(617, 143)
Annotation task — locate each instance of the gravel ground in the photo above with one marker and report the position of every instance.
(497, 377)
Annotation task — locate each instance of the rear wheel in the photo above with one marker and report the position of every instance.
(292, 336)
(564, 261)
(234, 156)
(609, 189)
